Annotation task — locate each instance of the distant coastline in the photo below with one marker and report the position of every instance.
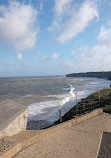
(102, 74)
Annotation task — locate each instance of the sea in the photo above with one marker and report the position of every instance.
(45, 96)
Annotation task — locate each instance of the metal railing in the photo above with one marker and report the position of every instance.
(87, 105)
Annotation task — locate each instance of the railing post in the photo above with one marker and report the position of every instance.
(60, 111)
(99, 97)
(110, 98)
(83, 107)
(76, 106)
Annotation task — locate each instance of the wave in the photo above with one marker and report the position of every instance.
(45, 109)
(48, 111)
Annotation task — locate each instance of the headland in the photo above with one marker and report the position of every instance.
(102, 74)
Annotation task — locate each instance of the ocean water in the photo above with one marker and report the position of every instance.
(44, 96)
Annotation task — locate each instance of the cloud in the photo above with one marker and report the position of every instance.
(13, 65)
(8, 64)
(17, 26)
(98, 57)
(24, 65)
(105, 36)
(79, 21)
(54, 56)
(61, 8)
(41, 6)
(80, 50)
(45, 57)
(19, 56)
(9, 69)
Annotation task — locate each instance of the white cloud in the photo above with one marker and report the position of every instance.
(54, 56)
(41, 6)
(9, 69)
(45, 57)
(24, 65)
(80, 50)
(19, 56)
(79, 21)
(98, 57)
(105, 35)
(17, 26)
(61, 8)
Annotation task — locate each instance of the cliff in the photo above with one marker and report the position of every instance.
(105, 74)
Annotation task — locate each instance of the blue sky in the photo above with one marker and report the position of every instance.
(54, 37)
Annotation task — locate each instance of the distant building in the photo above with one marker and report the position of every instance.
(13, 118)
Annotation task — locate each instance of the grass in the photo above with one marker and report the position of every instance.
(107, 109)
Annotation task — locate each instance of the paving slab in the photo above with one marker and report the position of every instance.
(11, 145)
(78, 141)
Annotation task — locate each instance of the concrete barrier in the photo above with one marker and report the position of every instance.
(31, 139)
(74, 121)
(13, 118)
(99, 144)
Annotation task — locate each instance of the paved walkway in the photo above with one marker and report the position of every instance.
(80, 141)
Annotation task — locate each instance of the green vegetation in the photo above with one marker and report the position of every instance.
(90, 103)
(104, 96)
(92, 74)
(107, 109)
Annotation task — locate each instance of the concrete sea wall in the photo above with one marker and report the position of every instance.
(17, 125)
(27, 138)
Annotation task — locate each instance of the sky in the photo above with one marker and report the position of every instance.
(54, 37)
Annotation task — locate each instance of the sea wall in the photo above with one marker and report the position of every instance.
(48, 131)
(76, 120)
(30, 137)
(16, 125)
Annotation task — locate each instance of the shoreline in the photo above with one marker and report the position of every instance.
(92, 101)
(34, 124)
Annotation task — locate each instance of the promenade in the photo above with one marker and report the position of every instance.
(78, 141)
(76, 138)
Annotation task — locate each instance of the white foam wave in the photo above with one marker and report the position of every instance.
(29, 95)
(49, 110)
(71, 95)
(65, 89)
(43, 110)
